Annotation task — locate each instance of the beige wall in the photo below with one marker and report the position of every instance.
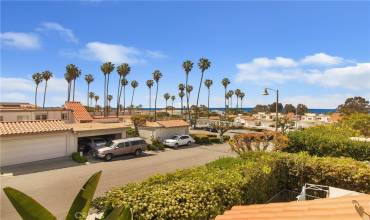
(28, 148)
(162, 133)
(31, 115)
(89, 133)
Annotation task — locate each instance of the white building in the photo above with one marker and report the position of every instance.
(163, 129)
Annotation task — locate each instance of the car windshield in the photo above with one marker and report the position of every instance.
(109, 144)
(175, 137)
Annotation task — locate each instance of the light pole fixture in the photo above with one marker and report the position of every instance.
(265, 92)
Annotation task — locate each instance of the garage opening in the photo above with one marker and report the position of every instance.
(86, 144)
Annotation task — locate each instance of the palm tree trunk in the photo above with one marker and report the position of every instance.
(124, 99)
(209, 91)
(166, 105)
(241, 104)
(132, 99)
(88, 90)
(187, 95)
(46, 85)
(225, 103)
(231, 101)
(150, 99)
(118, 95)
(36, 96)
(155, 104)
(196, 110)
(105, 91)
(69, 92)
(182, 107)
(172, 109)
(107, 94)
(237, 102)
(74, 87)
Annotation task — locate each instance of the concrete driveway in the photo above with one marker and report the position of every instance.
(55, 189)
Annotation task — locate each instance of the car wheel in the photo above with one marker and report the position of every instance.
(108, 157)
(138, 152)
(189, 143)
(176, 146)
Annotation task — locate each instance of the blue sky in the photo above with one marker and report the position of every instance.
(315, 53)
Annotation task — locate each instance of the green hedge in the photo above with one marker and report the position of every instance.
(206, 139)
(209, 190)
(328, 141)
(78, 158)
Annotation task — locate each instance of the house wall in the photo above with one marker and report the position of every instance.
(34, 147)
(29, 115)
(161, 133)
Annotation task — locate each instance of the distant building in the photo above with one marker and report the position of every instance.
(14, 111)
(163, 129)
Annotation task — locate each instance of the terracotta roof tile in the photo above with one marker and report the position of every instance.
(31, 127)
(330, 208)
(79, 112)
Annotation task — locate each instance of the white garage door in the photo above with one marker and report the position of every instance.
(31, 148)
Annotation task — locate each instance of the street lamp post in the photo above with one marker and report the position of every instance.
(265, 92)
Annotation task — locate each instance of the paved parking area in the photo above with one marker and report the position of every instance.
(56, 188)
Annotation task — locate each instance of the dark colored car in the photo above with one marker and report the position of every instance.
(87, 144)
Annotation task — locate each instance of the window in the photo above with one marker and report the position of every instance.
(64, 116)
(1, 118)
(42, 117)
(137, 142)
(22, 117)
(121, 145)
(184, 137)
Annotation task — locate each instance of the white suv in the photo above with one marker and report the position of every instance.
(178, 140)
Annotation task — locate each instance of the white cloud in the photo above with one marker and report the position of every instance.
(22, 90)
(66, 33)
(279, 70)
(322, 59)
(20, 40)
(116, 53)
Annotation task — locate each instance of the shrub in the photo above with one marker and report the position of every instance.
(359, 122)
(155, 145)
(201, 139)
(328, 140)
(226, 137)
(131, 132)
(78, 158)
(206, 191)
(215, 140)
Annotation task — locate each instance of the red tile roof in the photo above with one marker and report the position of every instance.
(31, 127)
(79, 112)
(340, 208)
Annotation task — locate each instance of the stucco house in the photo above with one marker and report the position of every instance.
(27, 141)
(163, 129)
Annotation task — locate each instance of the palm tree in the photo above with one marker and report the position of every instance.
(123, 70)
(172, 99)
(166, 96)
(134, 84)
(208, 83)
(70, 75)
(237, 93)
(189, 89)
(157, 75)
(187, 65)
(241, 95)
(37, 78)
(96, 97)
(124, 83)
(225, 82)
(91, 96)
(46, 75)
(89, 79)
(109, 98)
(181, 89)
(203, 65)
(106, 68)
(230, 93)
(150, 84)
(181, 95)
(75, 76)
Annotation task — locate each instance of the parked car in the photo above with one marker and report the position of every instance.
(211, 129)
(119, 147)
(178, 140)
(87, 144)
